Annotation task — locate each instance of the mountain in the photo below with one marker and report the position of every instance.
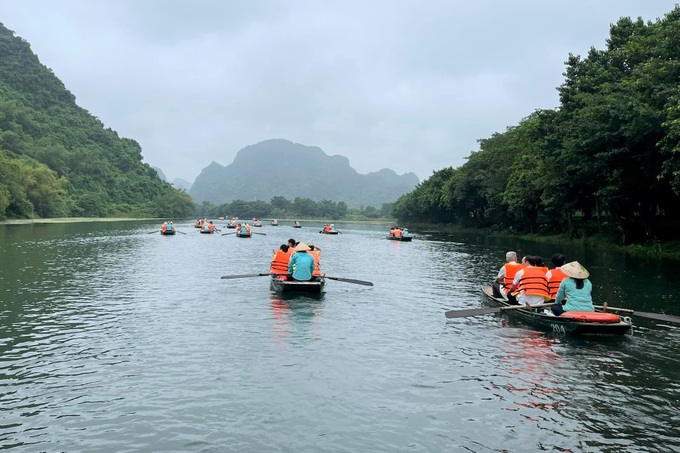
(182, 184)
(160, 173)
(57, 159)
(279, 167)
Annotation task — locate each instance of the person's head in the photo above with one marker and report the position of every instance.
(211, 222)
(284, 248)
(311, 246)
(558, 259)
(538, 261)
(511, 257)
(291, 242)
(301, 247)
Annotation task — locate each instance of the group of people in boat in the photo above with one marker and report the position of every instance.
(398, 232)
(296, 261)
(327, 228)
(243, 228)
(205, 225)
(167, 226)
(530, 282)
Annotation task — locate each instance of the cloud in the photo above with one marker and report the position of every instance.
(405, 85)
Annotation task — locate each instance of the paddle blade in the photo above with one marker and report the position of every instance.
(657, 316)
(471, 312)
(350, 280)
(227, 277)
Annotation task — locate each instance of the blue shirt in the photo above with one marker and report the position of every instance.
(301, 266)
(577, 299)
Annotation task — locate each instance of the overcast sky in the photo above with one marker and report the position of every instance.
(407, 85)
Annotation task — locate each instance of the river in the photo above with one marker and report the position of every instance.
(116, 340)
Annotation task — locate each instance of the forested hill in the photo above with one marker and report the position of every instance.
(281, 168)
(56, 159)
(606, 162)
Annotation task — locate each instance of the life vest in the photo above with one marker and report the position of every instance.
(533, 283)
(397, 233)
(510, 271)
(211, 226)
(556, 277)
(317, 265)
(279, 263)
(164, 227)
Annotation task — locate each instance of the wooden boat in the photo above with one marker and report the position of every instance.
(207, 231)
(297, 225)
(569, 323)
(257, 223)
(281, 286)
(168, 232)
(231, 224)
(400, 238)
(329, 232)
(243, 235)
(275, 223)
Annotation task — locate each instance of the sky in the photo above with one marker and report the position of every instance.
(401, 84)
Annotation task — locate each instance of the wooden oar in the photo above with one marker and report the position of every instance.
(227, 277)
(349, 280)
(261, 234)
(642, 314)
(152, 232)
(224, 234)
(180, 232)
(486, 311)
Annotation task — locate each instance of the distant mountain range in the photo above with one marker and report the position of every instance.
(179, 183)
(279, 167)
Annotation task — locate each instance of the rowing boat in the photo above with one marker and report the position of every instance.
(569, 323)
(281, 285)
(207, 231)
(400, 238)
(329, 232)
(243, 235)
(167, 232)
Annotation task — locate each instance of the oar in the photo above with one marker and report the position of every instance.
(486, 311)
(643, 314)
(227, 277)
(224, 234)
(181, 232)
(262, 234)
(152, 232)
(349, 280)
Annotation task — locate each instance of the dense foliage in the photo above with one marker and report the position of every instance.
(605, 161)
(300, 208)
(56, 159)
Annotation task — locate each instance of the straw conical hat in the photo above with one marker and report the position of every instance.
(575, 270)
(302, 247)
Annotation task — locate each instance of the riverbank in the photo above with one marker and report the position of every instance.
(70, 220)
(666, 250)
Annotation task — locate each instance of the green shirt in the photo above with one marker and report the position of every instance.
(577, 299)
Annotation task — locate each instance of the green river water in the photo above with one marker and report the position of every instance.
(116, 340)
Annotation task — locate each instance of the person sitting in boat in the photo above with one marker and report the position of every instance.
(530, 285)
(392, 231)
(211, 226)
(540, 264)
(315, 251)
(575, 290)
(332, 227)
(398, 232)
(556, 275)
(280, 260)
(164, 227)
(505, 277)
(404, 232)
(245, 228)
(301, 265)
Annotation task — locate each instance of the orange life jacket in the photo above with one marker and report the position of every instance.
(510, 271)
(556, 277)
(280, 263)
(164, 228)
(533, 283)
(317, 266)
(397, 233)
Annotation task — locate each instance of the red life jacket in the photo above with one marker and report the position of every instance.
(533, 283)
(510, 271)
(556, 277)
(280, 263)
(317, 266)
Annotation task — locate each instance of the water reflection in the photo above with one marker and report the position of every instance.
(295, 316)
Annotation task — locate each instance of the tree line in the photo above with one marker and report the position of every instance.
(279, 207)
(605, 161)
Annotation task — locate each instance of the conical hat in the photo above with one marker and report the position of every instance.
(575, 270)
(302, 247)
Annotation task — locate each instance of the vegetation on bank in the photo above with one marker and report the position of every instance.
(603, 166)
(56, 159)
(280, 207)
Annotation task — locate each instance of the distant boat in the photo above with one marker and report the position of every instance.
(275, 222)
(296, 224)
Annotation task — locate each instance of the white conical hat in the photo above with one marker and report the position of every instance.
(575, 270)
